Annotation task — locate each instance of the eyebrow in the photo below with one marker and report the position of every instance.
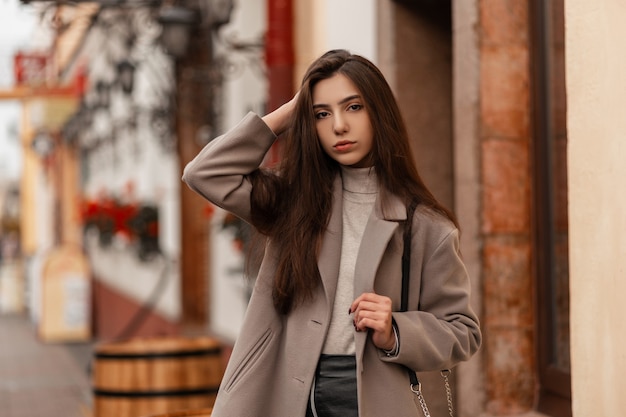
(342, 101)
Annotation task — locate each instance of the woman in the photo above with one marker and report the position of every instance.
(322, 334)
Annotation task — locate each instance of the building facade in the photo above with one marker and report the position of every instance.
(515, 116)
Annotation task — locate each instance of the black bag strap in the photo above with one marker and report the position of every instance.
(406, 255)
(406, 264)
(416, 385)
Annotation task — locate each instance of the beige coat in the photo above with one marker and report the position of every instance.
(273, 362)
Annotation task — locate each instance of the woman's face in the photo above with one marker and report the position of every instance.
(342, 122)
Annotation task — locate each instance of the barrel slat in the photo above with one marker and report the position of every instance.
(143, 377)
(202, 412)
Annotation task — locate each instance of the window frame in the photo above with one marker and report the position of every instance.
(554, 384)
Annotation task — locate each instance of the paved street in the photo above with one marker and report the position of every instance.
(38, 379)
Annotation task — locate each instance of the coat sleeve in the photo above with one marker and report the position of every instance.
(443, 330)
(220, 171)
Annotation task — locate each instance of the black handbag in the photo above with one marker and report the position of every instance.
(416, 385)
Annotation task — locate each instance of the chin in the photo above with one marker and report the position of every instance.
(350, 164)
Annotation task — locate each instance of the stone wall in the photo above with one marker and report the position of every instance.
(504, 120)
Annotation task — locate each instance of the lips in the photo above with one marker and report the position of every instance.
(343, 145)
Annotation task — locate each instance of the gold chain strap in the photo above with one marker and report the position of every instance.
(418, 391)
(444, 374)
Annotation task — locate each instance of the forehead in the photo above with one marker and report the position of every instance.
(334, 89)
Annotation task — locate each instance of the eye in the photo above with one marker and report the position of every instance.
(322, 114)
(355, 107)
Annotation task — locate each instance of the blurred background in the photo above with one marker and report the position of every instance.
(104, 253)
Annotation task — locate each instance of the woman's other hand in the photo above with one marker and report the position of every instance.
(373, 311)
(280, 119)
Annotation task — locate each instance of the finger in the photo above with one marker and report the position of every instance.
(373, 307)
(382, 333)
(373, 313)
(366, 323)
(375, 320)
(368, 297)
(378, 315)
(356, 302)
(383, 306)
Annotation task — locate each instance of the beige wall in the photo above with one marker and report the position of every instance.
(320, 25)
(596, 91)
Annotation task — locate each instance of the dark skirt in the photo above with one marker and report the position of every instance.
(334, 392)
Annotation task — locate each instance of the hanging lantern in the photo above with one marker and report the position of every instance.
(177, 23)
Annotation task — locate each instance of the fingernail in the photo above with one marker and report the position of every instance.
(350, 310)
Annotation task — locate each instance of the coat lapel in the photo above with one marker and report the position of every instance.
(330, 252)
(378, 231)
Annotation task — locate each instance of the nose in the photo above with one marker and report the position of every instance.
(340, 124)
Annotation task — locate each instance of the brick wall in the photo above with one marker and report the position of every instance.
(504, 126)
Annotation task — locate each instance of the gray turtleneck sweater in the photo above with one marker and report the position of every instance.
(360, 189)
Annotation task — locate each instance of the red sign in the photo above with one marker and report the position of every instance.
(31, 68)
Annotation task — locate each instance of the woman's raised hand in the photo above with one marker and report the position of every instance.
(373, 311)
(280, 119)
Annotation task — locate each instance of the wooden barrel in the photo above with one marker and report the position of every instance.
(155, 375)
(204, 412)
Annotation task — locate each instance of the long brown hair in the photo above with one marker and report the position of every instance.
(294, 206)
